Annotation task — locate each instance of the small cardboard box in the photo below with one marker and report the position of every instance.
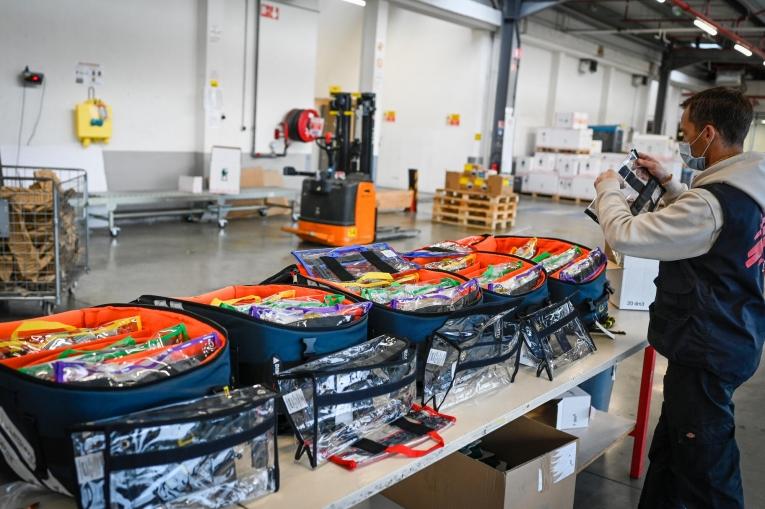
(632, 280)
(570, 411)
(259, 177)
(189, 184)
(571, 120)
(452, 180)
(540, 475)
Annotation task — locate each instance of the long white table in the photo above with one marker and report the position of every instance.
(330, 486)
(217, 204)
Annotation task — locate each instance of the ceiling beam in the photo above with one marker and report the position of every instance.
(745, 11)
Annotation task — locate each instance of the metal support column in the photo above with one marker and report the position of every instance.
(511, 10)
(661, 95)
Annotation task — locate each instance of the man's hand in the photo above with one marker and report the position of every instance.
(608, 175)
(646, 163)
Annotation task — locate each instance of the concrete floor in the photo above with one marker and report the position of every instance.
(178, 258)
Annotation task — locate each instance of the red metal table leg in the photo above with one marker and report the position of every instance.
(644, 411)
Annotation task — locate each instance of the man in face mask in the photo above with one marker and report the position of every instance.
(708, 318)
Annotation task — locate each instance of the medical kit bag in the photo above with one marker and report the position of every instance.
(288, 322)
(400, 437)
(471, 355)
(100, 362)
(335, 400)
(641, 190)
(212, 452)
(426, 298)
(574, 271)
(503, 278)
(554, 337)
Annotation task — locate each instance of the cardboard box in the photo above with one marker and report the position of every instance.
(571, 119)
(564, 139)
(565, 187)
(596, 147)
(493, 185)
(259, 177)
(592, 166)
(188, 184)
(570, 411)
(583, 186)
(569, 165)
(541, 473)
(452, 180)
(225, 170)
(632, 280)
(541, 182)
(545, 161)
(525, 164)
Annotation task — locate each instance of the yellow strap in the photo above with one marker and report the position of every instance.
(284, 294)
(232, 302)
(40, 325)
(377, 279)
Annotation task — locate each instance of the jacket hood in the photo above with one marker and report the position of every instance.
(745, 172)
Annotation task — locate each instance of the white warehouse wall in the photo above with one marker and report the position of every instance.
(150, 68)
(433, 68)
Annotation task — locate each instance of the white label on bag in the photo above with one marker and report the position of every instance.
(295, 401)
(436, 357)
(344, 413)
(24, 447)
(90, 467)
(389, 253)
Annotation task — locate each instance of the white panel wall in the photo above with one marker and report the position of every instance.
(149, 53)
(623, 100)
(338, 51)
(433, 68)
(532, 97)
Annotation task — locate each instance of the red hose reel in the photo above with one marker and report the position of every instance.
(304, 125)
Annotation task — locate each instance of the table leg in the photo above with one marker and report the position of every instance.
(640, 433)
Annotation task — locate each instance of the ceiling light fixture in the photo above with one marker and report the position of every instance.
(706, 27)
(661, 1)
(742, 49)
(360, 3)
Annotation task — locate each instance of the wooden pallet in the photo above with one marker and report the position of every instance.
(474, 209)
(549, 150)
(557, 197)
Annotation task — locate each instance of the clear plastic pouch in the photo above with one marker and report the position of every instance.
(401, 436)
(641, 190)
(439, 250)
(469, 356)
(335, 400)
(211, 452)
(555, 337)
(519, 283)
(351, 263)
(585, 269)
(319, 316)
(119, 373)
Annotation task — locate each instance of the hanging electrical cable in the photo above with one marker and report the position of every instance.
(39, 112)
(21, 123)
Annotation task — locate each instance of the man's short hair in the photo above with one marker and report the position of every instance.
(727, 109)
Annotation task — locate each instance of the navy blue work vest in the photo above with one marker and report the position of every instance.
(709, 311)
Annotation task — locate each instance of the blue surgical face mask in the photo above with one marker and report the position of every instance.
(686, 154)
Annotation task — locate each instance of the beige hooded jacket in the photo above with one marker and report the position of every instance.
(689, 223)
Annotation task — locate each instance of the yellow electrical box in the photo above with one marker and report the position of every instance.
(93, 121)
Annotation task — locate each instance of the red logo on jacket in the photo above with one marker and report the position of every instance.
(757, 253)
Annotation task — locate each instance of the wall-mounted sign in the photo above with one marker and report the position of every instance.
(389, 116)
(453, 119)
(269, 11)
(88, 74)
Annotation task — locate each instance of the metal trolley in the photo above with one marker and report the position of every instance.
(43, 232)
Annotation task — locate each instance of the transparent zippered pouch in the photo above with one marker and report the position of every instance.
(210, 452)
(335, 400)
(469, 356)
(554, 337)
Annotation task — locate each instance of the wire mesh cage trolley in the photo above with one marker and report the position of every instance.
(43, 232)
